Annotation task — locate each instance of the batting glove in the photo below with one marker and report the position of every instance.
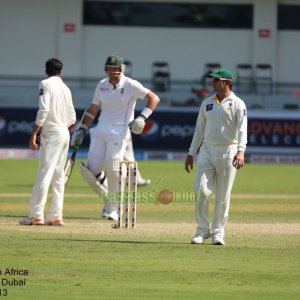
(77, 138)
(137, 125)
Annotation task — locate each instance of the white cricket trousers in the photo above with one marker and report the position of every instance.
(107, 147)
(52, 158)
(215, 174)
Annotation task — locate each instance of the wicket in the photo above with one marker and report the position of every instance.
(128, 195)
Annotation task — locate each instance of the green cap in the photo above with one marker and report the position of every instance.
(114, 61)
(222, 74)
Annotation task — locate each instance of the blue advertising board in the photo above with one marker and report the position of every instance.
(172, 130)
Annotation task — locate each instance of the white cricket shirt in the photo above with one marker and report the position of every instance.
(117, 104)
(222, 124)
(55, 104)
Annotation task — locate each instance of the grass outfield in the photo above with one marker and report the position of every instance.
(87, 259)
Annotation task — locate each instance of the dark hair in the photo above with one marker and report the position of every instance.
(53, 67)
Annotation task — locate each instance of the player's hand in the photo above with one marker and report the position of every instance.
(137, 125)
(238, 160)
(77, 138)
(34, 142)
(188, 165)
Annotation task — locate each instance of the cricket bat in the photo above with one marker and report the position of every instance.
(69, 166)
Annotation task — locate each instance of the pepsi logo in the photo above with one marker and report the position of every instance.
(151, 130)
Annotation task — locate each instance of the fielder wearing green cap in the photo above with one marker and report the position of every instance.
(222, 74)
(221, 138)
(115, 96)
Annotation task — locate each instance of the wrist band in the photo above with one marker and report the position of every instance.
(146, 112)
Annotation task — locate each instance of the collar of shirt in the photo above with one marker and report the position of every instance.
(120, 83)
(55, 78)
(216, 100)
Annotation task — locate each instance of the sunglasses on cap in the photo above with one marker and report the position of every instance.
(219, 79)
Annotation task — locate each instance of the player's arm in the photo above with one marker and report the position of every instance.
(138, 124)
(41, 116)
(188, 165)
(89, 116)
(33, 142)
(86, 120)
(239, 158)
(152, 101)
(196, 141)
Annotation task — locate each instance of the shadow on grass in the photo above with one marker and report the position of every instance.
(115, 241)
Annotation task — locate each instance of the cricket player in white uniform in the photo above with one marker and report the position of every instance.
(128, 156)
(55, 115)
(221, 135)
(116, 97)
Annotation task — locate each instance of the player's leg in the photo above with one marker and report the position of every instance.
(55, 214)
(97, 151)
(204, 185)
(92, 173)
(47, 164)
(226, 174)
(116, 144)
(129, 156)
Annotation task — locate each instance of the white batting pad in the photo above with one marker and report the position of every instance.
(90, 178)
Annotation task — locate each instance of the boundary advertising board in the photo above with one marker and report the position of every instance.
(269, 132)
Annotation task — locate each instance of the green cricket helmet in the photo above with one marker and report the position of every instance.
(114, 61)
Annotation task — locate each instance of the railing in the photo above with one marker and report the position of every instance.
(20, 90)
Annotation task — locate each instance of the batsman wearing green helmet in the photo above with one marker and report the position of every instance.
(116, 97)
(221, 135)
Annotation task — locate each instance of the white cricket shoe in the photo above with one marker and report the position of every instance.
(218, 240)
(198, 239)
(143, 182)
(113, 216)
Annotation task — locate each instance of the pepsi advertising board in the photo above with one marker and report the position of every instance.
(172, 130)
(268, 132)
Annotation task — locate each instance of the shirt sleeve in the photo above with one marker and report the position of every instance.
(199, 133)
(71, 113)
(44, 98)
(242, 123)
(140, 90)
